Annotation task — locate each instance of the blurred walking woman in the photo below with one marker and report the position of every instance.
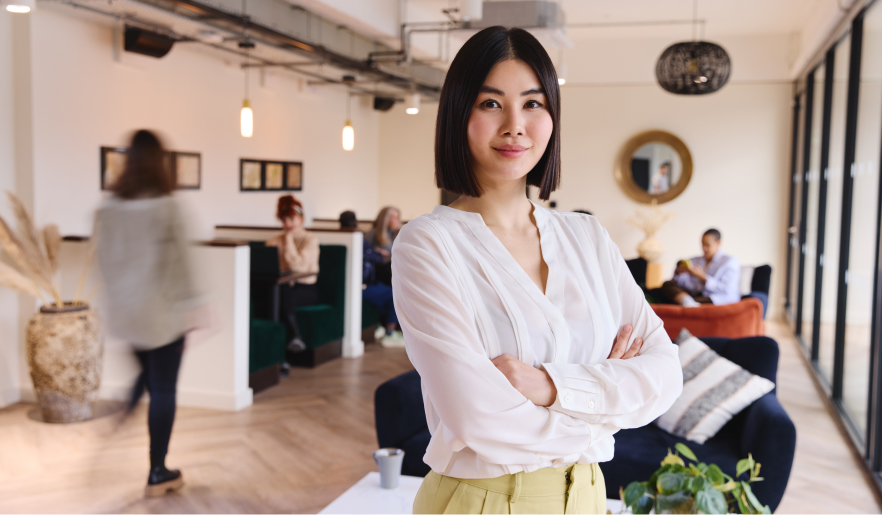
(144, 257)
(533, 342)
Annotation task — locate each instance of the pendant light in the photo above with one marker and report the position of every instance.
(19, 6)
(695, 67)
(246, 116)
(413, 103)
(561, 69)
(348, 131)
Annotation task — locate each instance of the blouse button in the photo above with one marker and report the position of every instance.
(568, 398)
(591, 405)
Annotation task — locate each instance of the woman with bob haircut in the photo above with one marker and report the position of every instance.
(533, 342)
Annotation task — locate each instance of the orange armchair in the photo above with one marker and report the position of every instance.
(739, 320)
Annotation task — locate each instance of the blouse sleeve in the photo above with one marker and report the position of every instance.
(304, 259)
(476, 404)
(624, 393)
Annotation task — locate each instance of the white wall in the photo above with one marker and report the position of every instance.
(9, 341)
(739, 138)
(83, 99)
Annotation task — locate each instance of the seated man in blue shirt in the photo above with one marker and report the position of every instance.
(710, 279)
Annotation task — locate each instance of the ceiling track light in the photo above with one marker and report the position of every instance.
(19, 6)
(412, 105)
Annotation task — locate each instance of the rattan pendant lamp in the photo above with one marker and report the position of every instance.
(695, 67)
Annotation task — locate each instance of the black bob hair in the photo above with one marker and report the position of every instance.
(713, 233)
(467, 73)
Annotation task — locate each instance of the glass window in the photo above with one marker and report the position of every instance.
(793, 267)
(833, 222)
(865, 201)
(811, 219)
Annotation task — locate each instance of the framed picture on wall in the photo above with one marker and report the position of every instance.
(275, 176)
(187, 170)
(251, 175)
(113, 162)
(294, 176)
(263, 175)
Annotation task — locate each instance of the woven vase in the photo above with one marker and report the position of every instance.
(65, 350)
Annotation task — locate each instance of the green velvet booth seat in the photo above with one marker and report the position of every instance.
(321, 325)
(266, 352)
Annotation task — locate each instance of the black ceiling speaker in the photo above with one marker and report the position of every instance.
(693, 68)
(383, 103)
(146, 42)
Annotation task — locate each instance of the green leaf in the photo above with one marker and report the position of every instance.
(715, 474)
(672, 501)
(726, 487)
(742, 467)
(669, 483)
(643, 505)
(702, 467)
(654, 478)
(673, 459)
(685, 451)
(633, 492)
(697, 484)
(695, 470)
(711, 501)
(758, 506)
(737, 493)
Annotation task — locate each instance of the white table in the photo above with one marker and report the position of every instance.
(366, 496)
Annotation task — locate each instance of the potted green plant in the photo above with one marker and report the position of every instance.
(64, 341)
(695, 488)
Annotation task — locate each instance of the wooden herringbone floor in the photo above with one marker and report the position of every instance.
(297, 448)
(307, 440)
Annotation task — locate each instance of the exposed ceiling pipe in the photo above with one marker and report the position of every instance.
(207, 14)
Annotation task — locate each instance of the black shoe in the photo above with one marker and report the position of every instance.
(162, 481)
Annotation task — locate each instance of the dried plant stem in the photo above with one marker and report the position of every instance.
(11, 278)
(90, 255)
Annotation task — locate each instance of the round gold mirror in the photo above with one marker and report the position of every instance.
(654, 166)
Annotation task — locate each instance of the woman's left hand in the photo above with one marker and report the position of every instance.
(533, 383)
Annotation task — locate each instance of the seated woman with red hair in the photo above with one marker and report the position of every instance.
(299, 256)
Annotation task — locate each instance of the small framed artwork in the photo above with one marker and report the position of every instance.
(275, 177)
(187, 170)
(113, 162)
(294, 176)
(262, 175)
(251, 175)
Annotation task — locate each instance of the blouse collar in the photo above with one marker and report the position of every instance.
(539, 212)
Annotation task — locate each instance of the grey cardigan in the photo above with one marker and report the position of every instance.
(144, 257)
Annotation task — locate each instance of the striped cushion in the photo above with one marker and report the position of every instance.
(714, 391)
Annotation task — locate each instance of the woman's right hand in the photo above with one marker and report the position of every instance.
(620, 349)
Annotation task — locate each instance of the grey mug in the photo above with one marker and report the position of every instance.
(389, 462)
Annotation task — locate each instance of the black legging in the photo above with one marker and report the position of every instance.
(293, 297)
(159, 375)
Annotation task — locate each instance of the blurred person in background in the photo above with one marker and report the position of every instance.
(386, 228)
(298, 256)
(348, 221)
(151, 297)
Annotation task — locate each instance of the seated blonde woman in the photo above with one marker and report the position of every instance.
(299, 256)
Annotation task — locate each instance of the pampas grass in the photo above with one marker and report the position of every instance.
(33, 257)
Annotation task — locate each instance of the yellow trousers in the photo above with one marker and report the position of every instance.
(572, 489)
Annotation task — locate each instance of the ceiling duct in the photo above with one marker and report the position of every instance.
(141, 41)
(543, 16)
(538, 14)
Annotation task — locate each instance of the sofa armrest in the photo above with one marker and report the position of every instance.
(770, 436)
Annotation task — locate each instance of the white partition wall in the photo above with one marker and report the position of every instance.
(214, 371)
(353, 346)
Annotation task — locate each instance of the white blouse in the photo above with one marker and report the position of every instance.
(462, 299)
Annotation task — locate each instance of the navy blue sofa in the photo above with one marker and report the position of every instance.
(763, 429)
